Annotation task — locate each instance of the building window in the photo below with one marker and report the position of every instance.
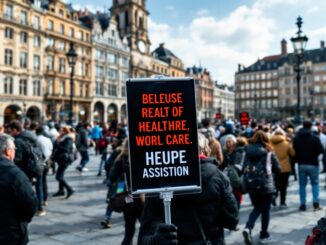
(86, 69)
(112, 42)
(23, 18)
(50, 63)
(8, 85)
(124, 76)
(62, 65)
(87, 37)
(36, 22)
(112, 58)
(87, 89)
(80, 35)
(71, 32)
(50, 86)
(112, 91)
(50, 42)
(62, 45)
(37, 41)
(8, 57)
(62, 29)
(23, 60)
(81, 88)
(100, 55)
(62, 87)
(9, 33)
(50, 25)
(37, 88)
(99, 88)
(112, 74)
(99, 71)
(23, 37)
(9, 12)
(61, 13)
(37, 62)
(23, 87)
(79, 68)
(123, 91)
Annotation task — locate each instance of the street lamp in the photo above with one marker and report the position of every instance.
(72, 58)
(299, 44)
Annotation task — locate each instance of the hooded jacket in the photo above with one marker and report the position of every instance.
(215, 206)
(284, 151)
(307, 147)
(18, 204)
(63, 152)
(256, 154)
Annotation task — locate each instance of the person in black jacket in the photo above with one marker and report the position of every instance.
(18, 202)
(308, 147)
(64, 156)
(215, 208)
(120, 173)
(257, 157)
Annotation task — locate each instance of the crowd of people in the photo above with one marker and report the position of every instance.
(257, 160)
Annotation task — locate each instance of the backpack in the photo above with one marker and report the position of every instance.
(35, 162)
(233, 175)
(256, 174)
(318, 236)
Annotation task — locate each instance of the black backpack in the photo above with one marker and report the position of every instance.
(255, 174)
(35, 161)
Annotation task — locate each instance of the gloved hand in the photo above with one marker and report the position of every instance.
(166, 234)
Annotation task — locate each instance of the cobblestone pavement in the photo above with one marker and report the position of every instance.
(77, 220)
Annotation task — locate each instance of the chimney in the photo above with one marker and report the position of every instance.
(322, 44)
(239, 67)
(283, 47)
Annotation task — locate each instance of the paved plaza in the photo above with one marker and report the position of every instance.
(77, 220)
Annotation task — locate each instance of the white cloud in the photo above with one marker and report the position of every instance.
(218, 44)
(170, 8)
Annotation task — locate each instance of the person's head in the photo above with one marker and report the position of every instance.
(230, 142)
(39, 130)
(33, 125)
(7, 147)
(260, 137)
(242, 141)
(14, 128)
(203, 145)
(307, 124)
(205, 122)
(64, 130)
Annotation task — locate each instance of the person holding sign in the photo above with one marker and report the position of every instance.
(196, 218)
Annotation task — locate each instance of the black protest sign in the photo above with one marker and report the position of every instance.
(162, 134)
(244, 118)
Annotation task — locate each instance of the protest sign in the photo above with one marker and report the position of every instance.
(162, 127)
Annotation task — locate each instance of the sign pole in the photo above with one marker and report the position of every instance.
(167, 197)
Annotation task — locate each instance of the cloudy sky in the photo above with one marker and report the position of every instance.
(219, 34)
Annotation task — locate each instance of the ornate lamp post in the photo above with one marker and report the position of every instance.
(299, 44)
(72, 58)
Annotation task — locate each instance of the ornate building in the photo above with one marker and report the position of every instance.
(267, 89)
(204, 89)
(111, 61)
(224, 100)
(132, 20)
(22, 33)
(63, 27)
